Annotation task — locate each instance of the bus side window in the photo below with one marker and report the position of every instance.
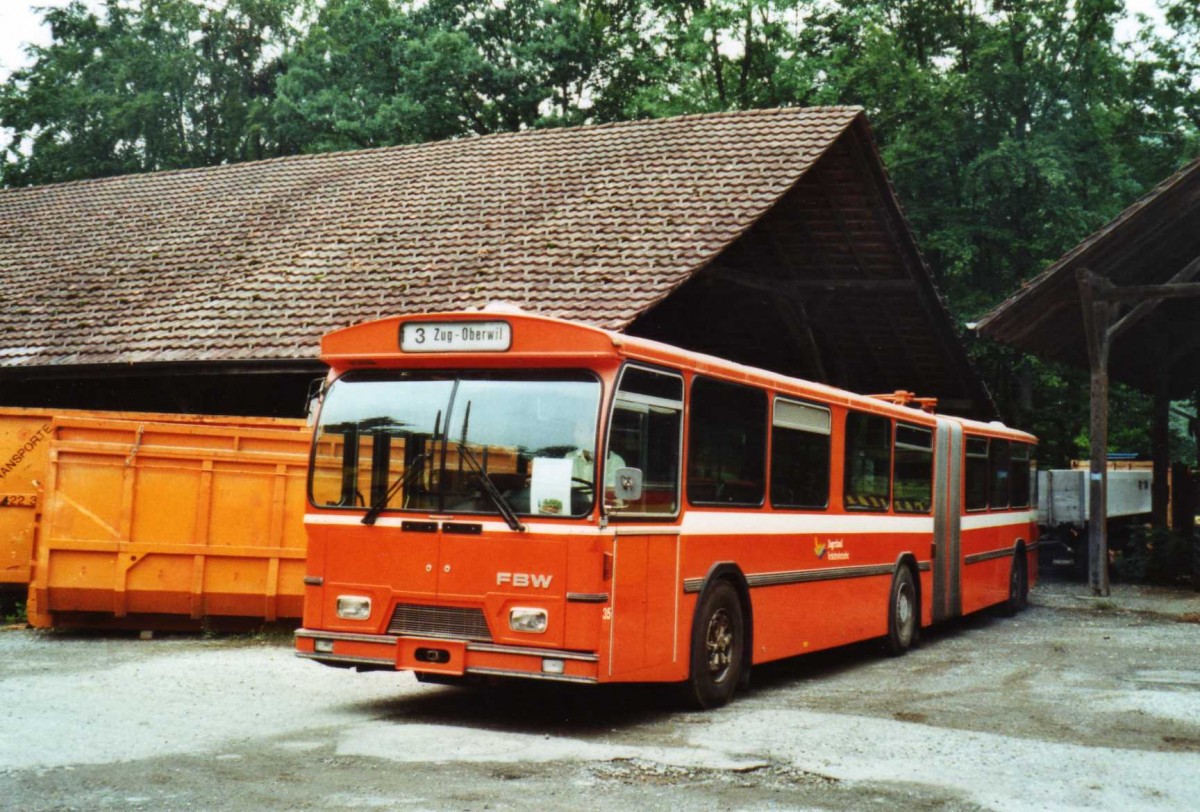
(1020, 476)
(727, 444)
(800, 450)
(868, 462)
(914, 469)
(975, 474)
(1001, 485)
(645, 434)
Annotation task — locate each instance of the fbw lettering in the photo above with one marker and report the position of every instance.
(524, 579)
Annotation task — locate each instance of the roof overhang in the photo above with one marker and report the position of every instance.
(1155, 243)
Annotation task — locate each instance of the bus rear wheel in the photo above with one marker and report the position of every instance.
(1018, 587)
(902, 613)
(718, 644)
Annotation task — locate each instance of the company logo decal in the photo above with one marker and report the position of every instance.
(830, 549)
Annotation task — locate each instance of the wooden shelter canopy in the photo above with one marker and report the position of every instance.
(771, 237)
(1142, 261)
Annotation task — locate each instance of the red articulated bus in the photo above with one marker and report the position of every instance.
(496, 494)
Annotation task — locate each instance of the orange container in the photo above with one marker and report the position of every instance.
(156, 524)
(24, 454)
(24, 450)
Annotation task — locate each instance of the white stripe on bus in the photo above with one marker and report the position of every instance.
(713, 523)
(979, 521)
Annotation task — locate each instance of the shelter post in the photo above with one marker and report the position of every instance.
(1096, 317)
(1160, 438)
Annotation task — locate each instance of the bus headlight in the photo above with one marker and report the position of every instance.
(524, 619)
(353, 607)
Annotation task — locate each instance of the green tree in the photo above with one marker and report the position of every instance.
(376, 72)
(694, 56)
(343, 84)
(159, 85)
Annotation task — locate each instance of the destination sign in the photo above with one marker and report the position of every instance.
(455, 336)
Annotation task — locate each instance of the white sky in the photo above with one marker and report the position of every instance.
(21, 24)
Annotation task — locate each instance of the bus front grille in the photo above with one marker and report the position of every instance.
(439, 621)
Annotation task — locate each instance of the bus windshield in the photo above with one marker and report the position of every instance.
(404, 441)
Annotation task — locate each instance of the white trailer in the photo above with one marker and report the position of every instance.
(1063, 496)
(1063, 510)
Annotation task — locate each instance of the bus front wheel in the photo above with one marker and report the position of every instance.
(718, 643)
(902, 613)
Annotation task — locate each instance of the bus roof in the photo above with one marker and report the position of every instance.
(507, 337)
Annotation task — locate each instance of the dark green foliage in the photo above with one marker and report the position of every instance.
(1158, 556)
(377, 72)
(1011, 128)
(12, 607)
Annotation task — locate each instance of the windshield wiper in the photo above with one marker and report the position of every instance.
(485, 483)
(402, 481)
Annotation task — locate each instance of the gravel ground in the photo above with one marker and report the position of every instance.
(1075, 704)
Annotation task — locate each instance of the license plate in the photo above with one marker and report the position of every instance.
(431, 656)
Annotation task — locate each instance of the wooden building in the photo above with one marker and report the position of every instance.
(770, 237)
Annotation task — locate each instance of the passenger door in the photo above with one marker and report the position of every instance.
(645, 432)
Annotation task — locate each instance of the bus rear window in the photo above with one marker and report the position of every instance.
(975, 474)
(1021, 475)
(913, 491)
(868, 462)
(999, 462)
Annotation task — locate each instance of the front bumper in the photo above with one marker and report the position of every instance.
(446, 657)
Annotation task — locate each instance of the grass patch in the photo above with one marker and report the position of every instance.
(15, 615)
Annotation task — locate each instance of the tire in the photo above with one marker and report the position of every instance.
(903, 622)
(718, 646)
(1018, 587)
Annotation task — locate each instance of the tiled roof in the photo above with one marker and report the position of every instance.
(256, 261)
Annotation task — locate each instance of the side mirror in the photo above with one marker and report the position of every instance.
(627, 484)
(316, 393)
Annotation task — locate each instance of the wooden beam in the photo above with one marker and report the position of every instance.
(1137, 293)
(1144, 309)
(734, 277)
(802, 286)
(874, 285)
(1108, 292)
